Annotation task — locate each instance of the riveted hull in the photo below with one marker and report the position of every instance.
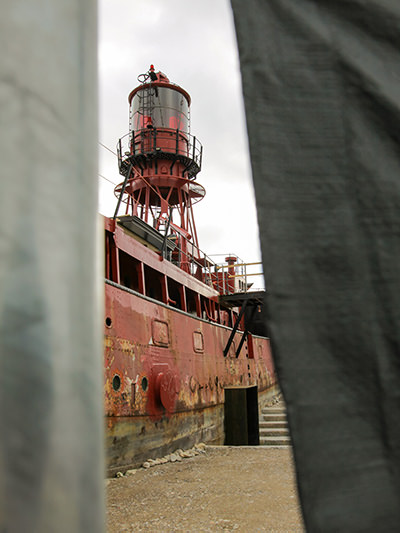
(145, 339)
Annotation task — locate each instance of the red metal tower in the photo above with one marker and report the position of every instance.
(159, 160)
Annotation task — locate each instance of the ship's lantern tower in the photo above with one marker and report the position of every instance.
(159, 160)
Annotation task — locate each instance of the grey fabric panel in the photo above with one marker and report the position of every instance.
(51, 440)
(321, 89)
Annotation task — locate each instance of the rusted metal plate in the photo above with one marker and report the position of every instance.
(160, 330)
(162, 365)
(132, 440)
(198, 342)
(130, 350)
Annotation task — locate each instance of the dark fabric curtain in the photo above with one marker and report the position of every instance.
(321, 84)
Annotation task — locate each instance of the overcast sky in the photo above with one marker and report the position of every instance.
(193, 43)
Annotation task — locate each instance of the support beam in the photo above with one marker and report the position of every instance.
(122, 191)
(246, 331)
(235, 328)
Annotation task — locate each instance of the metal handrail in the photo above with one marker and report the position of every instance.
(210, 269)
(156, 142)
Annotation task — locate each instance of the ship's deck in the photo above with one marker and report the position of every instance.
(237, 299)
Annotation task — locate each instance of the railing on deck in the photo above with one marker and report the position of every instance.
(226, 279)
(160, 143)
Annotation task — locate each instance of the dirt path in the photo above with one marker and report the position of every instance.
(224, 489)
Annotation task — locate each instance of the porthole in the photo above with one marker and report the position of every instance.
(108, 322)
(145, 384)
(116, 382)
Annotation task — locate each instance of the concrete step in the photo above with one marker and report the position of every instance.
(272, 432)
(273, 418)
(267, 410)
(273, 424)
(275, 441)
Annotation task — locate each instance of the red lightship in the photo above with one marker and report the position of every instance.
(186, 354)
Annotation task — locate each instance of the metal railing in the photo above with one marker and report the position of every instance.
(160, 143)
(226, 279)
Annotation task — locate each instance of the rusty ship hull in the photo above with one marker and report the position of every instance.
(165, 369)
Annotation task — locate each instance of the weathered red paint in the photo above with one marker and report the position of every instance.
(169, 361)
(165, 372)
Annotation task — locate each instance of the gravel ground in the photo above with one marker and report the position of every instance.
(244, 489)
